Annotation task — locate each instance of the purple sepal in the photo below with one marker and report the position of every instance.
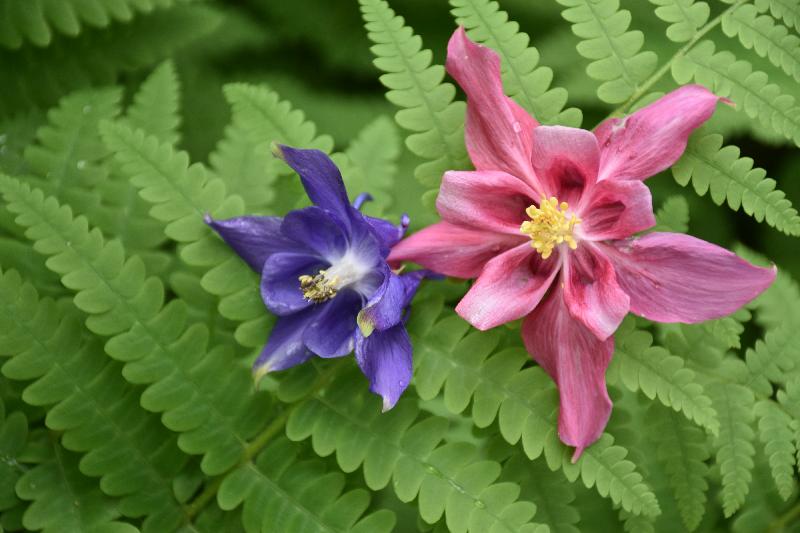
(385, 358)
(253, 238)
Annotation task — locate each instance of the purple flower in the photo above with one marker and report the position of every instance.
(324, 273)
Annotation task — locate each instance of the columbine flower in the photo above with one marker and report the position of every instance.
(324, 273)
(545, 225)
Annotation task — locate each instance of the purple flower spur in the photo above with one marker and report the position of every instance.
(324, 273)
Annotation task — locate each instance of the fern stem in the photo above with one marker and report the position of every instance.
(194, 507)
(779, 524)
(660, 73)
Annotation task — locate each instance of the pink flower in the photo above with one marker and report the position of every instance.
(545, 224)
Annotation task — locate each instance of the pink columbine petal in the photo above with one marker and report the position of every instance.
(577, 361)
(509, 287)
(498, 132)
(484, 199)
(672, 277)
(653, 138)
(616, 210)
(565, 161)
(591, 291)
(453, 250)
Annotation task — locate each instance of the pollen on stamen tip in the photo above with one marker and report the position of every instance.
(549, 226)
(318, 288)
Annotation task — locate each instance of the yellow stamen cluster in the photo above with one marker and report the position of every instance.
(318, 288)
(549, 226)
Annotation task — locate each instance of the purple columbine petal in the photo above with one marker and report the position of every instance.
(385, 358)
(331, 333)
(253, 238)
(285, 347)
(317, 230)
(387, 233)
(280, 281)
(321, 179)
(385, 308)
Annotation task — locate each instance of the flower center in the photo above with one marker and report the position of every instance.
(549, 226)
(348, 270)
(319, 288)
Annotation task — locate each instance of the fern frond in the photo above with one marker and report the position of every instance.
(524, 401)
(523, 78)
(673, 215)
(373, 154)
(62, 499)
(729, 178)
(734, 444)
(787, 10)
(775, 430)
(655, 372)
(686, 17)
(773, 358)
(202, 392)
(37, 20)
(35, 77)
(156, 105)
(554, 499)
(615, 51)
(682, 449)
(18, 133)
(69, 151)
(449, 479)
(416, 85)
(13, 438)
(282, 493)
(726, 76)
(97, 411)
(768, 39)
(181, 195)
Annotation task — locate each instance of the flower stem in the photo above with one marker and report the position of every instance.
(656, 77)
(193, 508)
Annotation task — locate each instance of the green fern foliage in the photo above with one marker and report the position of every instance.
(683, 450)
(734, 443)
(156, 105)
(373, 156)
(196, 387)
(415, 85)
(13, 438)
(772, 358)
(524, 402)
(750, 89)
(523, 78)
(720, 171)
(673, 215)
(37, 20)
(62, 499)
(658, 374)
(768, 39)
(775, 433)
(448, 479)
(47, 345)
(787, 10)
(280, 492)
(685, 17)
(615, 51)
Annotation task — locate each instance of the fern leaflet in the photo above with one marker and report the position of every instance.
(374, 155)
(416, 86)
(787, 10)
(686, 17)
(719, 170)
(775, 432)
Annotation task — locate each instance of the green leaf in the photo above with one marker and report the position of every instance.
(734, 444)
(673, 215)
(787, 10)
(91, 399)
(768, 39)
(200, 390)
(615, 51)
(13, 437)
(686, 17)
(449, 479)
(282, 493)
(750, 90)
(658, 374)
(775, 430)
(415, 85)
(682, 448)
(374, 154)
(710, 167)
(156, 105)
(62, 499)
(523, 78)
